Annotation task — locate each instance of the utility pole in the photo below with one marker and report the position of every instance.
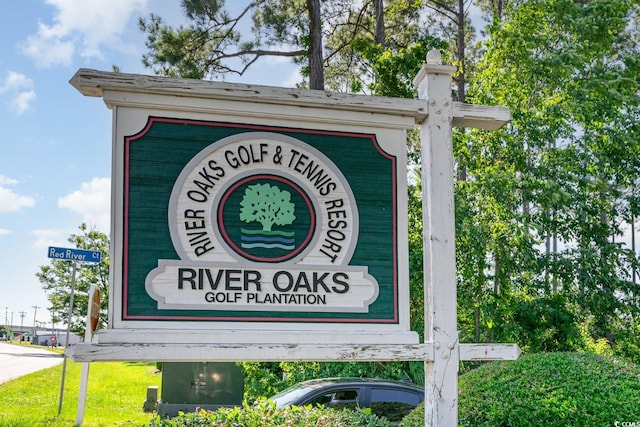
(22, 314)
(53, 326)
(6, 333)
(35, 310)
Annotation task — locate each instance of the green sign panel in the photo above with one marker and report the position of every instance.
(230, 222)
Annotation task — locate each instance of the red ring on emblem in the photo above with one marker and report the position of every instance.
(238, 249)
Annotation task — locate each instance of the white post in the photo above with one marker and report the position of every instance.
(82, 394)
(84, 378)
(441, 376)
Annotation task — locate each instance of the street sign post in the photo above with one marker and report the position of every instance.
(75, 255)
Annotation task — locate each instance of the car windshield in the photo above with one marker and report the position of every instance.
(290, 395)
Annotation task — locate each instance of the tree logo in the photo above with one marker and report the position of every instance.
(267, 205)
(266, 218)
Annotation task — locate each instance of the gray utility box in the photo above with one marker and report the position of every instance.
(187, 386)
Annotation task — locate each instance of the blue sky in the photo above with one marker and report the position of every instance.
(55, 156)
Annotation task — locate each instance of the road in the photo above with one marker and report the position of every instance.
(17, 360)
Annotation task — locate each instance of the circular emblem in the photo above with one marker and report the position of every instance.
(266, 218)
(263, 197)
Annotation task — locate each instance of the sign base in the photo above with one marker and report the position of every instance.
(158, 336)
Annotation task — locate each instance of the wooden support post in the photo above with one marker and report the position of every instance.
(441, 386)
(151, 404)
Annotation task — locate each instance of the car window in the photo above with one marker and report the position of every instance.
(393, 404)
(337, 399)
(290, 395)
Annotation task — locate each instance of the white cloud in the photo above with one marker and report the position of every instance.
(7, 181)
(16, 82)
(20, 89)
(92, 201)
(4, 232)
(22, 101)
(10, 201)
(46, 238)
(47, 49)
(86, 26)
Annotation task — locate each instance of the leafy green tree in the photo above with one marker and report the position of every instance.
(451, 18)
(268, 205)
(321, 37)
(5, 332)
(359, 32)
(56, 281)
(553, 192)
(212, 45)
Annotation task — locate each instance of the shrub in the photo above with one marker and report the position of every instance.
(267, 415)
(547, 389)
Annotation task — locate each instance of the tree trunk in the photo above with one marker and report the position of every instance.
(461, 80)
(633, 246)
(496, 275)
(379, 35)
(499, 9)
(554, 278)
(477, 324)
(547, 273)
(316, 72)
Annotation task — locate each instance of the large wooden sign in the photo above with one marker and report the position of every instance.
(257, 223)
(229, 222)
(242, 209)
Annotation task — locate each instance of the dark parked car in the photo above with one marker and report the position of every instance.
(386, 398)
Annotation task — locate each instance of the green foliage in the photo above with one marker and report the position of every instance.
(547, 323)
(548, 199)
(554, 389)
(387, 370)
(549, 389)
(416, 261)
(283, 23)
(267, 415)
(594, 345)
(356, 58)
(628, 339)
(396, 68)
(541, 205)
(211, 46)
(56, 280)
(261, 380)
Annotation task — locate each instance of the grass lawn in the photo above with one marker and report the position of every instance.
(116, 393)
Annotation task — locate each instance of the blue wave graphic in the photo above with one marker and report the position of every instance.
(268, 233)
(267, 239)
(267, 245)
